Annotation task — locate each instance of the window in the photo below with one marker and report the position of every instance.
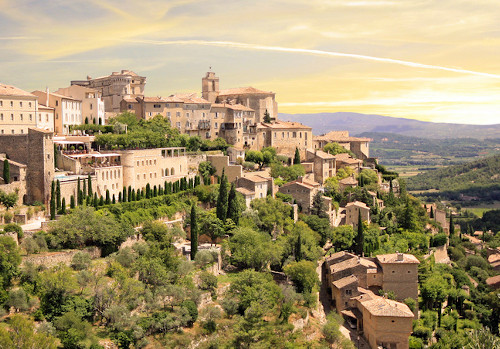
(12, 116)
(178, 114)
(216, 125)
(31, 117)
(21, 104)
(29, 104)
(1, 132)
(168, 113)
(1, 117)
(11, 103)
(157, 106)
(90, 106)
(130, 106)
(1, 103)
(22, 131)
(57, 103)
(138, 177)
(12, 131)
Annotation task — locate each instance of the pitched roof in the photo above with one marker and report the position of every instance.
(348, 280)
(278, 124)
(42, 106)
(8, 90)
(154, 99)
(493, 281)
(242, 91)
(357, 204)
(380, 306)
(323, 155)
(245, 191)
(348, 181)
(392, 258)
(302, 182)
(339, 136)
(255, 178)
(232, 106)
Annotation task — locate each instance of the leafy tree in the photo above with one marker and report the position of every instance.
(17, 298)
(321, 226)
(211, 225)
(52, 202)
(368, 177)
(6, 171)
(318, 206)
(334, 149)
(452, 225)
(303, 274)
(296, 158)
(331, 329)
(81, 261)
(251, 249)
(206, 169)
(273, 214)
(194, 232)
(287, 173)
(23, 335)
(222, 199)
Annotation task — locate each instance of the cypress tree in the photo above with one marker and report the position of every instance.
(148, 191)
(233, 208)
(360, 239)
(194, 232)
(124, 195)
(267, 117)
(108, 200)
(431, 214)
(53, 201)
(63, 206)
(113, 201)
(452, 225)
(89, 189)
(6, 171)
(155, 191)
(88, 201)
(132, 196)
(129, 196)
(296, 158)
(197, 181)
(222, 199)
(84, 190)
(95, 202)
(101, 201)
(58, 195)
(72, 201)
(119, 197)
(298, 248)
(78, 192)
(160, 190)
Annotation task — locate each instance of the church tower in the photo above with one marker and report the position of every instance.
(210, 87)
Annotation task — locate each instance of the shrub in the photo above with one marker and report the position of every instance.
(8, 216)
(81, 261)
(439, 240)
(14, 228)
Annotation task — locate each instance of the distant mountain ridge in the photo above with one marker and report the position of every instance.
(357, 123)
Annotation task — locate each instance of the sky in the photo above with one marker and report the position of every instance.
(432, 60)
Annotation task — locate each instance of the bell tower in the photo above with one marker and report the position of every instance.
(210, 87)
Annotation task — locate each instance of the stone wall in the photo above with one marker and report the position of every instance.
(221, 162)
(50, 259)
(194, 160)
(18, 187)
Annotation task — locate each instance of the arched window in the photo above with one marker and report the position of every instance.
(166, 172)
(172, 172)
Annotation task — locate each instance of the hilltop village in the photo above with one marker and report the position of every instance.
(204, 221)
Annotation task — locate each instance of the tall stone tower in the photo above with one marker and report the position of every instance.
(210, 87)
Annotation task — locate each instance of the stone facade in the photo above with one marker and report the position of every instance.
(323, 164)
(45, 118)
(352, 210)
(283, 135)
(36, 151)
(115, 87)
(67, 110)
(358, 145)
(400, 275)
(253, 186)
(18, 110)
(92, 102)
(221, 163)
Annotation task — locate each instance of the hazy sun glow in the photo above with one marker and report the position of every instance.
(434, 61)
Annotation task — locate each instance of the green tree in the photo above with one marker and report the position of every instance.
(194, 232)
(72, 202)
(222, 199)
(296, 158)
(89, 183)
(6, 171)
(84, 189)
(108, 199)
(53, 201)
(452, 225)
(251, 249)
(303, 275)
(23, 335)
(359, 242)
(58, 195)
(233, 205)
(335, 148)
(79, 198)
(318, 206)
(9, 260)
(431, 215)
(8, 200)
(63, 206)
(206, 169)
(267, 117)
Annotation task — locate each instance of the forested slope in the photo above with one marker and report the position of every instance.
(479, 178)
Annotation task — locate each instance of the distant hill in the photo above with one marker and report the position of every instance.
(399, 150)
(480, 178)
(357, 123)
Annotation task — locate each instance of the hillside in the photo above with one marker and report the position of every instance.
(394, 150)
(357, 123)
(479, 179)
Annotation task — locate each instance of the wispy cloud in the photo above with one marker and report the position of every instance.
(247, 46)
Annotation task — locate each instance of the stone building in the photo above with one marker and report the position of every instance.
(302, 191)
(17, 182)
(354, 283)
(115, 87)
(254, 186)
(360, 146)
(352, 211)
(92, 102)
(67, 110)
(45, 118)
(35, 150)
(250, 97)
(323, 164)
(283, 135)
(18, 110)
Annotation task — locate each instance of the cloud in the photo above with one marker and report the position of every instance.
(247, 46)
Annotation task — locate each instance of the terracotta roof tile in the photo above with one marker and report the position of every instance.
(8, 90)
(393, 258)
(242, 91)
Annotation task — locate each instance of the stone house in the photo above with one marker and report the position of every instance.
(352, 210)
(253, 186)
(18, 110)
(302, 191)
(323, 164)
(358, 145)
(348, 182)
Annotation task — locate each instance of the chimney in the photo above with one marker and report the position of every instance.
(400, 257)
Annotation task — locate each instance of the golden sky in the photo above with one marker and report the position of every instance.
(433, 60)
